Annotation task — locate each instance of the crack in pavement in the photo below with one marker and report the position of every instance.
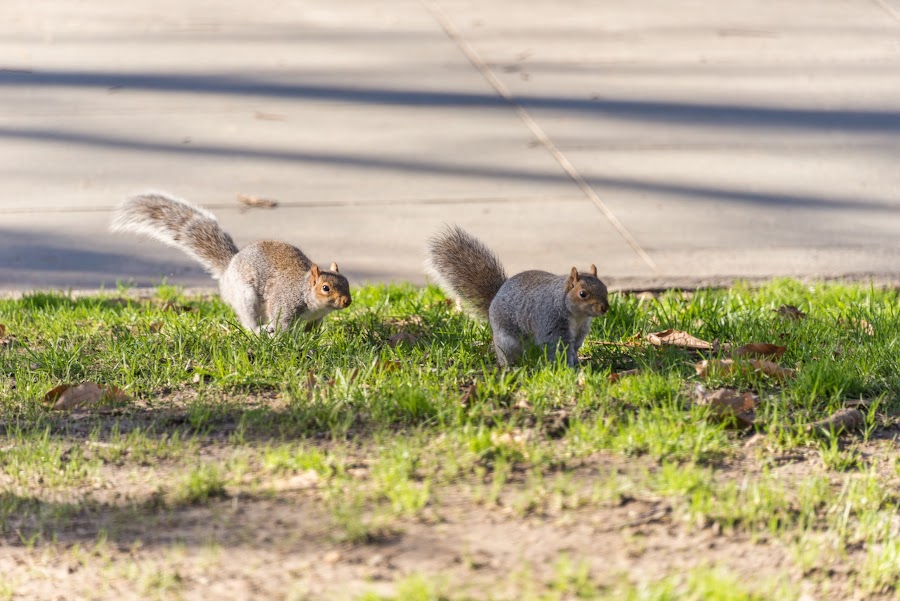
(536, 130)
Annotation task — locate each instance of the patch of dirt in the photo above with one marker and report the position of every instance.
(267, 545)
(261, 548)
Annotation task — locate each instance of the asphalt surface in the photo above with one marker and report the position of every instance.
(670, 143)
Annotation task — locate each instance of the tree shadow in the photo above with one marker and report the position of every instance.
(647, 111)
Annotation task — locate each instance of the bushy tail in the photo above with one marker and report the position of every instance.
(464, 267)
(180, 224)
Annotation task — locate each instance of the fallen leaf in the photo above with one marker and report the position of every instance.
(616, 376)
(760, 349)
(790, 312)
(728, 404)
(54, 394)
(771, 369)
(400, 338)
(726, 366)
(331, 557)
(680, 339)
(66, 397)
(467, 395)
(843, 420)
(259, 203)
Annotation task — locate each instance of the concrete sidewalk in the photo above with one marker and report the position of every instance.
(669, 143)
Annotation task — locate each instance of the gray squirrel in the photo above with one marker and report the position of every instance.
(534, 306)
(270, 285)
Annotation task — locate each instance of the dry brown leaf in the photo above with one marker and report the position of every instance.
(616, 376)
(790, 312)
(467, 395)
(400, 338)
(728, 404)
(76, 397)
(680, 339)
(66, 396)
(256, 202)
(2, 330)
(54, 394)
(843, 420)
(760, 349)
(770, 369)
(726, 366)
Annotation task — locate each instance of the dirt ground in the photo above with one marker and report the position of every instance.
(282, 546)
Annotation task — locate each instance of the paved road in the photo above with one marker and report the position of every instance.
(667, 142)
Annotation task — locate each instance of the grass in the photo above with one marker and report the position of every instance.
(376, 435)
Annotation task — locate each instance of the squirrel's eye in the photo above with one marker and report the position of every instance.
(325, 288)
(582, 294)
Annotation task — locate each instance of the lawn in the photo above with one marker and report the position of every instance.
(387, 457)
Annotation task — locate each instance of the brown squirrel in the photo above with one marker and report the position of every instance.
(269, 284)
(534, 306)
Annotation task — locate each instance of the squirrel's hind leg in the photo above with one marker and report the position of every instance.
(245, 302)
(508, 347)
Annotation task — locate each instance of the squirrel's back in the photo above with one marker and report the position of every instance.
(529, 297)
(265, 260)
(178, 223)
(464, 267)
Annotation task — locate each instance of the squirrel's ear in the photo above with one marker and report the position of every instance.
(573, 275)
(334, 268)
(593, 270)
(314, 274)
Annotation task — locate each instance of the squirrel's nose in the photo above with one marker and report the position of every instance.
(346, 301)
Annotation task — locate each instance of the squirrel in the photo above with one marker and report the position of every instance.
(549, 310)
(267, 282)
